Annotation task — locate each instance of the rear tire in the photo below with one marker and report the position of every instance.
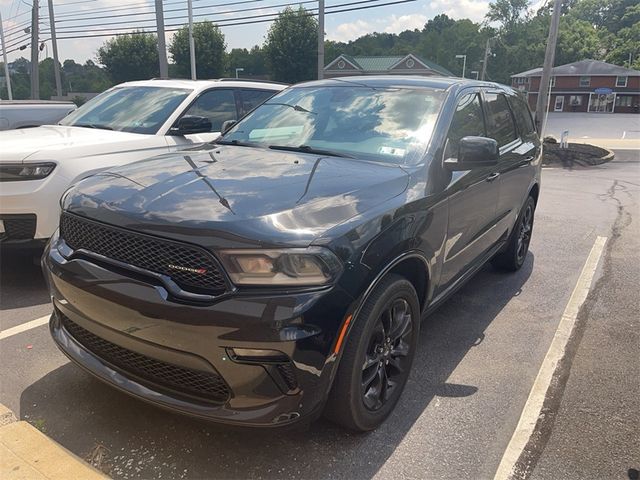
(377, 357)
(513, 256)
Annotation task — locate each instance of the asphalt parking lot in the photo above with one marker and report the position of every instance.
(479, 356)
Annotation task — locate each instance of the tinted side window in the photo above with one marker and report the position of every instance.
(216, 105)
(523, 117)
(252, 98)
(499, 119)
(467, 121)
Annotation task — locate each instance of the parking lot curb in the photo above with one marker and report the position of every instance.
(27, 453)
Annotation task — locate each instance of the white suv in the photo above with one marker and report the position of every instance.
(128, 122)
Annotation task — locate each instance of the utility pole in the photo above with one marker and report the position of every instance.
(320, 39)
(35, 73)
(487, 49)
(541, 105)
(162, 44)
(54, 42)
(4, 58)
(192, 46)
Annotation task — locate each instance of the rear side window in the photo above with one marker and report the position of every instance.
(252, 98)
(217, 105)
(499, 120)
(467, 121)
(523, 117)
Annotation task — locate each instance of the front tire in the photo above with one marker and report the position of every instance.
(513, 256)
(377, 357)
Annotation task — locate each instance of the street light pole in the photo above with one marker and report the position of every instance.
(541, 104)
(487, 49)
(320, 39)
(54, 43)
(239, 70)
(4, 58)
(464, 63)
(192, 46)
(35, 72)
(162, 44)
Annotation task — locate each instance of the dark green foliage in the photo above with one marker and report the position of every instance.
(210, 51)
(291, 46)
(130, 57)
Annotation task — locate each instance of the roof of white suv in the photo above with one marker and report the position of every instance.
(203, 84)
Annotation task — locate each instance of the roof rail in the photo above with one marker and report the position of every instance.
(231, 79)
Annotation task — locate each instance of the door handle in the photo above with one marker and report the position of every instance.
(492, 177)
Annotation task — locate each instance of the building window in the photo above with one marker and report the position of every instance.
(341, 64)
(624, 100)
(521, 80)
(585, 81)
(575, 100)
(410, 63)
(621, 81)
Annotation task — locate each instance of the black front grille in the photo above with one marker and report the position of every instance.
(18, 227)
(207, 386)
(192, 268)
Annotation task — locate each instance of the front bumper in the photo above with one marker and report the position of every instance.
(136, 320)
(36, 199)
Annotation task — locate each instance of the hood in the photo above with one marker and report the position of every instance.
(46, 141)
(229, 196)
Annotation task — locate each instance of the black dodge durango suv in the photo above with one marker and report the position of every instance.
(282, 271)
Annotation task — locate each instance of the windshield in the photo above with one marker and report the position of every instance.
(391, 125)
(128, 109)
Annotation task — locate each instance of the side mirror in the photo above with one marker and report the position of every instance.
(227, 125)
(474, 152)
(191, 124)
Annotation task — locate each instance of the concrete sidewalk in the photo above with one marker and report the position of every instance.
(26, 453)
(593, 432)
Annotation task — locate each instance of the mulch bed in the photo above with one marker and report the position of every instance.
(577, 154)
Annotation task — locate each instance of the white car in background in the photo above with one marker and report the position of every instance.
(127, 123)
(31, 113)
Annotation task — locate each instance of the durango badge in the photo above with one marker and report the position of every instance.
(200, 271)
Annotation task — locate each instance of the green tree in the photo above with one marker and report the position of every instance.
(291, 46)
(508, 13)
(210, 51)
(252, 61)
(130, 57)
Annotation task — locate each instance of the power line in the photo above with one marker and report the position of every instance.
(242, 20)
(226, 12)
(138, 27)
(138, 32)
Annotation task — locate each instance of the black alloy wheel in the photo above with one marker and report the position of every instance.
(377, 356)
(514, 253)
(387, 354)
(524, 233)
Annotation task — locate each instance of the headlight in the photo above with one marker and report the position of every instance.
(11, 172)
(291, 266)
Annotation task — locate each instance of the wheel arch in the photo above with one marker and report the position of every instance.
(413, 266)
(534, 192)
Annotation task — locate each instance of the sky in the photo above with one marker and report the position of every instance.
(342, 26)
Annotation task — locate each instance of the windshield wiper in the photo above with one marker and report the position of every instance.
(92, 125)
(308, 149)
(297, 108)
(236, 143)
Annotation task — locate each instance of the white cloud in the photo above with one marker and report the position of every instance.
(350, 31)
(393, 24)
(457, 9)
(406, 22)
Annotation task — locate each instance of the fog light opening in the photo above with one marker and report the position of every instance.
(256, 355)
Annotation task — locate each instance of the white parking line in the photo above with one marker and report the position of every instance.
(9, 332)
(533, 407)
